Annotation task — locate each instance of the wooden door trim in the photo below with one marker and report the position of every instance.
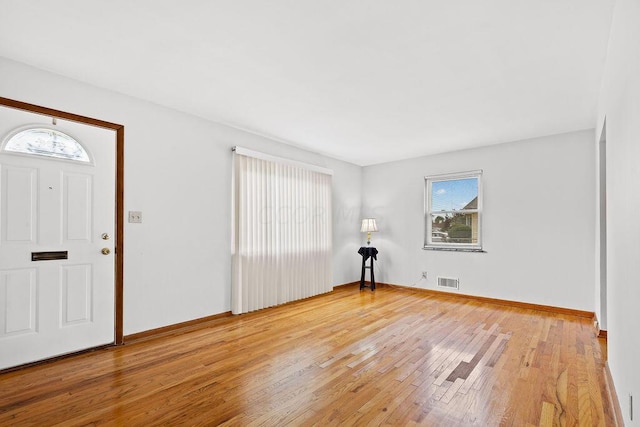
(119, 243)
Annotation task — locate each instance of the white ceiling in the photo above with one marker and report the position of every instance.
(367, 81)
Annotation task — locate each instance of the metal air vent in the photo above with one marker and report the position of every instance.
(448, 282)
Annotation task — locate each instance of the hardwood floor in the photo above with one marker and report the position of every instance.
(389, 357)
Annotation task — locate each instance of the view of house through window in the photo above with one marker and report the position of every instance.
(453, 211)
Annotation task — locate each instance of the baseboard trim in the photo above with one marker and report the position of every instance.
(345, 285)
(518, 304)
(613, 396)
(177, 327)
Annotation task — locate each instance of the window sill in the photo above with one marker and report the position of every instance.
(447, 249)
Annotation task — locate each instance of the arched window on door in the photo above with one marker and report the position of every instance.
(42, 141)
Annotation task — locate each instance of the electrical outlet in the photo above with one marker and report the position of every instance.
(135, 217)
(424, 275)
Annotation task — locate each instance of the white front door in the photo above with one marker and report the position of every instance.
(63, 209)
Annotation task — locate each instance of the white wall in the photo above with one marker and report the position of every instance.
(538, 219)
(620, 104)
(178, 173)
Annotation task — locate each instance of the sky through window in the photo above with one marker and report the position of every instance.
(453, 194)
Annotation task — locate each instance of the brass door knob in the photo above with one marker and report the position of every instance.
(105, 251)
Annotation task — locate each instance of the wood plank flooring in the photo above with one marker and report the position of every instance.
(389, 357)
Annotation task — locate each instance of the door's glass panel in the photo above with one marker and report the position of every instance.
(47, 142)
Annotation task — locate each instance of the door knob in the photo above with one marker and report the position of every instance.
(105, 251)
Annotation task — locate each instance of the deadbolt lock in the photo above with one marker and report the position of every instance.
(105, 236)
(105, 251)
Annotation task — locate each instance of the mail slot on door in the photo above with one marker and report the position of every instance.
(49, 256)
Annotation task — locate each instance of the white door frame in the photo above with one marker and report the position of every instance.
(119, 202)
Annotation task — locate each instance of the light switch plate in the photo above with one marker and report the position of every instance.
(135, 216)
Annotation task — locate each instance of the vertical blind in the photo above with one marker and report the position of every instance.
(282, 233)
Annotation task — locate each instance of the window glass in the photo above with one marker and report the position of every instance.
(454, 194)
(47, 142)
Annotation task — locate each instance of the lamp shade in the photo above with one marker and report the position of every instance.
(368, 225)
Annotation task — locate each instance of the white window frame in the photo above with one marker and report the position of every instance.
(428, 185)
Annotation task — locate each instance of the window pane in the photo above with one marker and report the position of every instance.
(454, 228)
(455, 194)
(47, 142)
